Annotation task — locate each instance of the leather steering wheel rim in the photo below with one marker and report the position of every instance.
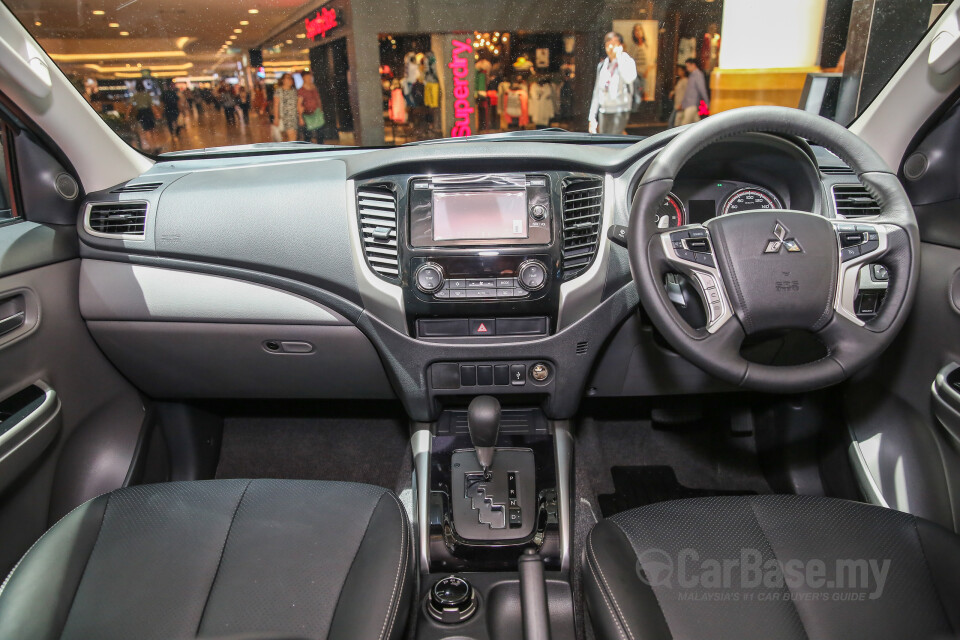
(850, 343)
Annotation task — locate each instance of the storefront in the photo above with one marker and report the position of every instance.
(515, 68)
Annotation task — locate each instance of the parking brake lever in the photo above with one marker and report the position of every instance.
(533, 596)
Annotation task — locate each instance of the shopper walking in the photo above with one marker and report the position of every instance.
(243, 101)
(694, 95)
(613, 91)
(170, 100)
(677, 93)
(285, 115)
(310, 111)
(143, 107)
(228, 100)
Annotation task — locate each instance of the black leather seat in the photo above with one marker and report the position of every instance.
(250, 559)
(658, 571)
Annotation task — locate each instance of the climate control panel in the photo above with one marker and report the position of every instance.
(431, 279)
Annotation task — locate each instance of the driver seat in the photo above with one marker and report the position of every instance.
(849, 570)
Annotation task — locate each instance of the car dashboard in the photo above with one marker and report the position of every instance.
(432, 272)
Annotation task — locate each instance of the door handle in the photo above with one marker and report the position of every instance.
(11, 322)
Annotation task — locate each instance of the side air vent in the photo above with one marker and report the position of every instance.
(836, 171)
(377, 206)
(582, 218)
(854, 201)
(582, 347)
(124, 220)
(140, 187)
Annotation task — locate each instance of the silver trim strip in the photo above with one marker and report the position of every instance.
(866, 481)
(582, 294)
(849, 272)
(701, 274)
(563, 450)
(421, 443)
(133, 237)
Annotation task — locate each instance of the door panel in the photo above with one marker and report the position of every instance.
(898, 421)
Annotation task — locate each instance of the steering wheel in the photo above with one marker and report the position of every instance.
(768, 270)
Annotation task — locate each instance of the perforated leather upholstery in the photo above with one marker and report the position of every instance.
(659, 571)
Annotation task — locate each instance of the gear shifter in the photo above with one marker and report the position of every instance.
(483, 421)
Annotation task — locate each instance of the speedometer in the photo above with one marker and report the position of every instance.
(750, 199)
(671, 213)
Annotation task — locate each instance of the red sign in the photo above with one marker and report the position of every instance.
(460, 66)
(325, 21)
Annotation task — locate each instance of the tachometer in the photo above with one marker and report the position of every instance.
(671, 213)
(750, 199)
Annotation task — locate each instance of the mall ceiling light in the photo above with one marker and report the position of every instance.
(238, 30)
(254, 11)
(127, 55)
(114, 25)
(301, 35)
(98, 12)
(124, 33)
(289, 41)
(244, 23)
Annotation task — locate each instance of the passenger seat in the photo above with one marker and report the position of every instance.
(263, 559)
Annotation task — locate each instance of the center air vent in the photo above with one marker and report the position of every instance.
(582, 218)
(140, 187)
(124, 220)
(854, 201)
(377, 206)
(836, 171)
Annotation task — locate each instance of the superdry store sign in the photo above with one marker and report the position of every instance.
(325, 21)
(461, 57)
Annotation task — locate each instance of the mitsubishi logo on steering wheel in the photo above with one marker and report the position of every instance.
(781, 241)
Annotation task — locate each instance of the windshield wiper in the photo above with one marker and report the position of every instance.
(256, 148)
(552, 134)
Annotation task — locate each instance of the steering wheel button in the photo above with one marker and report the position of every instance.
(686, 254)
(713, 296)
(869, 247)
(705, 259)
(701, 245)
(677, 244)
(706, 280)
(697, 233)
(842, 228)
(849, 253)
(677, 236)
(716, 310)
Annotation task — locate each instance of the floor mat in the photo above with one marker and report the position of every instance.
(369, 449)
(640, 486)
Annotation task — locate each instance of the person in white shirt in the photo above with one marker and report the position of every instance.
(613, 92)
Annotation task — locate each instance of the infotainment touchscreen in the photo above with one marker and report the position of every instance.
(479, 215)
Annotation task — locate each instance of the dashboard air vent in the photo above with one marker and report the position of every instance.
(854, 201)
(377, 206)
(140, 187)
(836, 171)
(582, 218)
(118, 219)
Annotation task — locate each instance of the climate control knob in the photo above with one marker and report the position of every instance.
(429, 277)
(532, 275)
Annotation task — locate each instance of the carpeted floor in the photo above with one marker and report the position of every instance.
(371, 449)
(616, 450)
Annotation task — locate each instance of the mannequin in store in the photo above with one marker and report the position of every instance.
(639, 50)
(686, 49)
(431, 81)
(613, 92)
(541, 102)
(411, 76)
(710, 51)
(398, 103)
(515, 104)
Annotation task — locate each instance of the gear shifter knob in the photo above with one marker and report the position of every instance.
(483, 420)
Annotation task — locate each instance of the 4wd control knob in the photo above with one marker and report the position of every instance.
(452, 600)
(429, 277)
(532, 275)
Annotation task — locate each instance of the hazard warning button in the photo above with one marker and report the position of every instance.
(483, 327)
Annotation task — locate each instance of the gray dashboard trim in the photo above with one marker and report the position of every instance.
(119, 291)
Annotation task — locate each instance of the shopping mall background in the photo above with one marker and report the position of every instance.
(382, 66)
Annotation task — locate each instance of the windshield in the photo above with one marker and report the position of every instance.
(178, 75)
